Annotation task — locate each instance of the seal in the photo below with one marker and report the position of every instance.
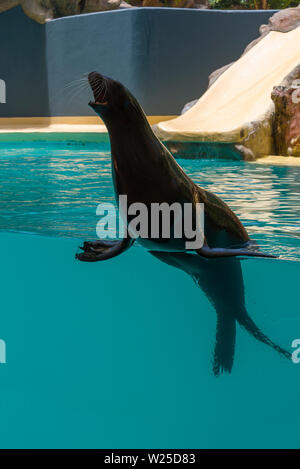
(146, 172)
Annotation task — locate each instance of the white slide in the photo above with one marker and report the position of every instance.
(239, 101)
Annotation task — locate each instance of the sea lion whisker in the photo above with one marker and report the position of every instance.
(106, 89)
(70, 94)
(76, 85)
(98, 91)
(75, 81)
(80, 87)
(96, 83)
(73, 93)
(65, 92)
(103, 87)
(98, 87)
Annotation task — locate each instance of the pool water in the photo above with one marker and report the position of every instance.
(119, 354)
(53, 188)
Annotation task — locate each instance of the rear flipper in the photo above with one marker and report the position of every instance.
(225, 344)
(225, 340)
(247, 323)
(95, 251)
(211, 253)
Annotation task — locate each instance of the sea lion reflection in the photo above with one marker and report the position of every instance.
(222, 282)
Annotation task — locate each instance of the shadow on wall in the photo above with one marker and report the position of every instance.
(164, 56)
(23, 65)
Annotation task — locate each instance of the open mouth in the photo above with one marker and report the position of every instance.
(99, 87)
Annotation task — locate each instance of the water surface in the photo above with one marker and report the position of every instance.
(54, 189)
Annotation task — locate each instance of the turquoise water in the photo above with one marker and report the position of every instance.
(119, 354)
(53, 188)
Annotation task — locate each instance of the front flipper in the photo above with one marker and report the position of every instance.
(211, 253)
(97, 246)
(95, 251)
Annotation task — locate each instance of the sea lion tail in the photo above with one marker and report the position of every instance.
(247, 323)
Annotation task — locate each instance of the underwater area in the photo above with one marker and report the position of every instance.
(120, 353)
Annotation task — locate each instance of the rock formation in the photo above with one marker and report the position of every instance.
(32, 8)
(171, 3)
(45, 10)
(287, 120)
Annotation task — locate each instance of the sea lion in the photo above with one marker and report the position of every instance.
(145, 171)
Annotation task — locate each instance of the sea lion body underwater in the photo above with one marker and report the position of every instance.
(146, 172)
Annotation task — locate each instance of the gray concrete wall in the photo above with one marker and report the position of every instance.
(23, 65)
(80, 44)
(162, 55)
(178, 49)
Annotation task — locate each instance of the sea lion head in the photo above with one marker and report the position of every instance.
(108, 93)
(111, 98)
(100, 87)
